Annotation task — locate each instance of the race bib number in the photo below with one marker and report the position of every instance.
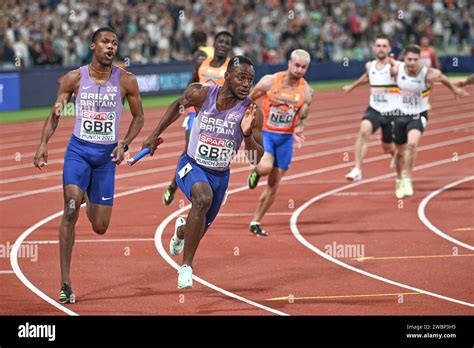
(281, 117)
(411, 99)
(98, 126)
(214, 152)
(379, 96)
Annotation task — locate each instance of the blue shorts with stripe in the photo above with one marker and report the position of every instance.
(189, 172)
(280, 146)
(89, 166)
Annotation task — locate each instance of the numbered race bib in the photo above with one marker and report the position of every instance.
(410, 99)
(379, 96)
(281, 117)
(214, 152)
(98, 126)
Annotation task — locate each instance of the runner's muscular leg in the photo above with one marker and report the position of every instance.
(414, 136)
(268, 195)
(201, 197)
(400, 154)
(265, 165)
(73, 196)
(360, 150)
(99, 216)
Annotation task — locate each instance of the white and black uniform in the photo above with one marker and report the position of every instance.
(413, 103)
(383, 100)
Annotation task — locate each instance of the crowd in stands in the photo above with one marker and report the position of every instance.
(58, 32)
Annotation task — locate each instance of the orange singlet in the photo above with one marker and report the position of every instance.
(209, 75)
(280, 106)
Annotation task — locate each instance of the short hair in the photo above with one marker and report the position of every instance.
(413, 49)
(199, 37)
(224, 32)
(236, 61)
(299, 53)
(382, 36)
(100, 30)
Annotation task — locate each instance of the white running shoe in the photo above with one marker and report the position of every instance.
(354, 175)
(185, 277)
(177, 244)
(407, 187)
(399, 188)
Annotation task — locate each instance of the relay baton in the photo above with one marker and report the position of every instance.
(142, 153)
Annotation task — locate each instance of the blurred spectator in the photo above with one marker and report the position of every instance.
(47, 32)
(428, 55)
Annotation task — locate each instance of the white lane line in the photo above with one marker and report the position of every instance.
(59, 187)
(25, 234)
(427, 223)
(16, 247)
(22, 277)
(110, 240)
(181, 143)
(159, 246)
(7, 271)
(38, 292)
(253, 213)
(324, 130)
(302, 240)
(164, 223)
(67, 134)
(296, 158)
(41, 176)
(321, 113)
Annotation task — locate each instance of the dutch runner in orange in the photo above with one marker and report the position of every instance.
(286, 102)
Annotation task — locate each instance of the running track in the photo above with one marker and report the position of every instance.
(418, 254)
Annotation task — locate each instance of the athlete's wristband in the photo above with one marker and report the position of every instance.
(124, 146)
(248, 136)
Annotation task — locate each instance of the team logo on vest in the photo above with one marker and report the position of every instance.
(233, 117)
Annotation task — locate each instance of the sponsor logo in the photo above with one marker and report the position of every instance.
(100, 116)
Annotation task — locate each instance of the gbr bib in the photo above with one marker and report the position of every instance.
(98, 108)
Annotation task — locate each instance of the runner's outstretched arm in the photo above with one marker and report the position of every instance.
(194, 95)
(364, 79)
(435, 75)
